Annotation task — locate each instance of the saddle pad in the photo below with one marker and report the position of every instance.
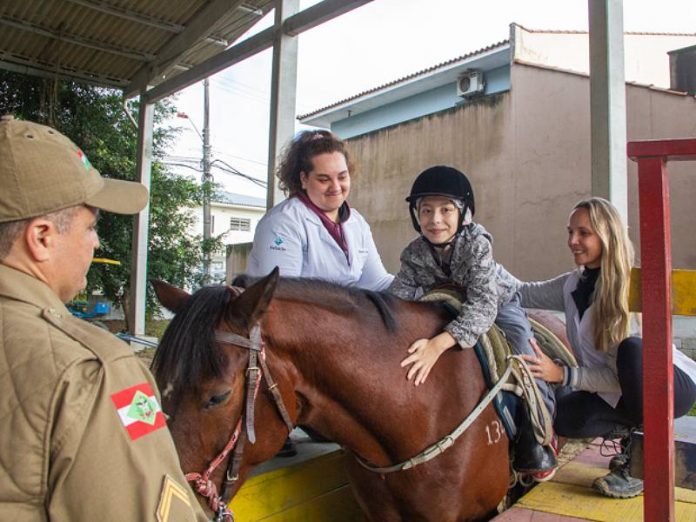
(494, 342)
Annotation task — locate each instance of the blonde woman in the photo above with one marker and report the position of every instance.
(603, 396)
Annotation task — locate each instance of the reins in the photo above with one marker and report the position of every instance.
(256, 368)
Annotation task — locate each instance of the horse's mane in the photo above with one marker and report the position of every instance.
(185, 356)
(192, 330)
(332, 296)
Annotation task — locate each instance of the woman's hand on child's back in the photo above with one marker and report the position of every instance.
(424, 353)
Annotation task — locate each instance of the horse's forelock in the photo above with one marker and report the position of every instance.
(187, 355)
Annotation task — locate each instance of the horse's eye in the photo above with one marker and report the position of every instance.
(216, 400)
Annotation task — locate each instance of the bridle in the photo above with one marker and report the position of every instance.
(256, 368)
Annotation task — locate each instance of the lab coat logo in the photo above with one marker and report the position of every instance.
(277, 242)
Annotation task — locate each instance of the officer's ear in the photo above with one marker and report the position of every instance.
(37, 239)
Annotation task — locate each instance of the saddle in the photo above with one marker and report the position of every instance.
(494, 354)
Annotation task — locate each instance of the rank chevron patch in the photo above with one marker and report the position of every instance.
(139, 410)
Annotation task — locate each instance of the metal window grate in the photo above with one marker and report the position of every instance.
(243, 224)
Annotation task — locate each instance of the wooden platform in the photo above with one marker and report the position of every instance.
(569, 497)
(313, 487)
(310, 487)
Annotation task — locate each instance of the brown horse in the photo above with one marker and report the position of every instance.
(334, 354)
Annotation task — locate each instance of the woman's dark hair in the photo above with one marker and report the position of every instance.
(297, 157)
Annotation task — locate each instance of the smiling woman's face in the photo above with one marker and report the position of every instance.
(328, 183)
(583, 241)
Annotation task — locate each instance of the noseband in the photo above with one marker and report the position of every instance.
(256, 368)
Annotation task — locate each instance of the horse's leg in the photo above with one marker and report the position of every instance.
(372, 494)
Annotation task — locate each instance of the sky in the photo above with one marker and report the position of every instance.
(374, 44)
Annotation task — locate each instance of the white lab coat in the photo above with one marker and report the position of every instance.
(597, 370)
(293, 238)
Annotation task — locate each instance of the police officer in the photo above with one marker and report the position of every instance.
(82, 435)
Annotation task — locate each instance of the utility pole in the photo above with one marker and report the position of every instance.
(206, 179)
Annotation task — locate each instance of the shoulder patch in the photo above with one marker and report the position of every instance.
(138, 409)
(174, 503)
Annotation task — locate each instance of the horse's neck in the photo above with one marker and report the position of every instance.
(349, 381)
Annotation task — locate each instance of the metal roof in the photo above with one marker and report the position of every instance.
(240, 200)
(486, 58)
(423, 73)
(127, 44)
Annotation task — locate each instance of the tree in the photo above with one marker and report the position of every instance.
(97, 120)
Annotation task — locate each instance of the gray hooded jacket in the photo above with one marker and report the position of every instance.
(487, 284)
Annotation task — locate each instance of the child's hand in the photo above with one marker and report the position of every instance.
(424, 353)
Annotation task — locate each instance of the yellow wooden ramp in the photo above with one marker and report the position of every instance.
(569, 496)
(311, 487)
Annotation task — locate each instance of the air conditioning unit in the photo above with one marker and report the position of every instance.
(470, 83)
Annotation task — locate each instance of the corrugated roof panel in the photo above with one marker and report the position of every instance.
(113, 40)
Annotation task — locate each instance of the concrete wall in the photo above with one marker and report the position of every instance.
(470, 137)
(527, 153)
(645, 55)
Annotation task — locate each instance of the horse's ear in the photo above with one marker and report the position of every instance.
(171, 297)
(253, 302)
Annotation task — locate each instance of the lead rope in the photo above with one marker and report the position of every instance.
(205, 487)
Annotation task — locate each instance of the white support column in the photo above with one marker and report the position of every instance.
(283, 93)
(138, 282)
(608, 103)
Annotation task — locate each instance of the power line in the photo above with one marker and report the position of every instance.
(228, 169)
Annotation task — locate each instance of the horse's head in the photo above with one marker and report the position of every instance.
(207, 367)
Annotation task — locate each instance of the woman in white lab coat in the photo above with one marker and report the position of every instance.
(315, 233)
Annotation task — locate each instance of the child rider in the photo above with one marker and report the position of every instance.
(453, 250)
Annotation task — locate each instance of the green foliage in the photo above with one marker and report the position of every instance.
(96, 120)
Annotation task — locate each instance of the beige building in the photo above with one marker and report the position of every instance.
(517, 121)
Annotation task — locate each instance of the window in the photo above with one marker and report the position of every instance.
(243, 224)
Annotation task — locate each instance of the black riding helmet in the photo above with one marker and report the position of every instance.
(441, 181)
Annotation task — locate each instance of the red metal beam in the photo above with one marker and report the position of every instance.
(658, 397)
(656, 273)
(682, 149)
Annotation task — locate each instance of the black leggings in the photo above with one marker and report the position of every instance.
(581, 414)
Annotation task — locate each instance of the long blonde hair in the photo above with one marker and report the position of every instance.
(610, 314)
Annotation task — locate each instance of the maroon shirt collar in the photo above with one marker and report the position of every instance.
(334, 229)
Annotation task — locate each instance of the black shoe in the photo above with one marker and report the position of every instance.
(532, 458)
(288, 450)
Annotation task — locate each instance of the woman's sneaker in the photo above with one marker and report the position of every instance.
(619, 483)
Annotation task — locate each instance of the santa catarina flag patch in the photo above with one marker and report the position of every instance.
(139, 410)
